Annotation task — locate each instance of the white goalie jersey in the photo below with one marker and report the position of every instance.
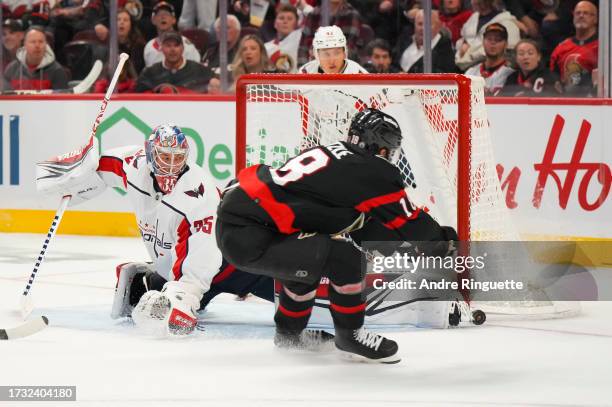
(349, 67)
(178, 228)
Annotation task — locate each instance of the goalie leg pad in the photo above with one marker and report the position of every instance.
(131, 285)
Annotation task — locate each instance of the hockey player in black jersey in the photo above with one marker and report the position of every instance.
(286, 223)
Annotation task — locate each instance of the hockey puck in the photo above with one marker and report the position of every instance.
(479, 317)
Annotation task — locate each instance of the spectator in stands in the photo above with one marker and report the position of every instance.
(575, 58)
(379, 57)
(470, 49)
(251, 57)
(12, 40)
(258, 14)
(453, 16)
(125, 84)
(175, 74)
(131, 41)
(241, 9)
(30, 12)
(67, 18)
(556, 25)
(530, 14)
(214, 85)
(164, 19)
(35, 67)
(211, 57)
(304, 7)
(198, 14)
(494, 68)
(70, 17)
(531, 78)
(442, 55)
(7, 9)
(383, 16)
(343, 15)
(283, 49)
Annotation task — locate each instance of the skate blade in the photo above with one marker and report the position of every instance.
(319, 348)
(353, 357)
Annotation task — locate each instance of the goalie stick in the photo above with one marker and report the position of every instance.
(26, 329)
(26, 299)
(82, 87)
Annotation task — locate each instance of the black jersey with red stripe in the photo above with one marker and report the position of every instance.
(323, 190)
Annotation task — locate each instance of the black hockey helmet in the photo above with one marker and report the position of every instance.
(373, 130)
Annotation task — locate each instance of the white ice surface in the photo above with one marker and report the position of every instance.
(233, 361)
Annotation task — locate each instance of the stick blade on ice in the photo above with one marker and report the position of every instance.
(26, 329)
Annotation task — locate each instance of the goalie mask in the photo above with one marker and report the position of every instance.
(167, 150)
(328, 37)
(373, 130)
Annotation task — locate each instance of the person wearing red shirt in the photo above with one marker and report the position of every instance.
(575, 58)
(453, 16)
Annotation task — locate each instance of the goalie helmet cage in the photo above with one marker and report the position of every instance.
(447, 160)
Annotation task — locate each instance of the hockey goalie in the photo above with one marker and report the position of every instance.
(175, 206)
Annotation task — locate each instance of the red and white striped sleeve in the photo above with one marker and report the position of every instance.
(113, 162)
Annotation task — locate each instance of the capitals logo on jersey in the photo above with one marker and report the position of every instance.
(196, 192)
(149, 234)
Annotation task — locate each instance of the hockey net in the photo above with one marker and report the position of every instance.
(447, 159)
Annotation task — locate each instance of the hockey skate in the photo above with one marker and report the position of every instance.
(308, 339)
(364, 346)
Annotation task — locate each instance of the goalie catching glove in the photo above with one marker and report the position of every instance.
(72, 174)
(171, 311)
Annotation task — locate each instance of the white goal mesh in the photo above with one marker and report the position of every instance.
(447, 159)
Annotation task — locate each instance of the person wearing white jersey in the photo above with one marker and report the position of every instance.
(494, 68)
(164, 19)
(331, 55)
(283, 49)
(175, 206)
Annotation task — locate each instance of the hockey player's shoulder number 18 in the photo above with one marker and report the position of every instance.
(307, 163)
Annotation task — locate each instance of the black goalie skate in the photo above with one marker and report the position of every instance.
(308, 339)
(365, 346)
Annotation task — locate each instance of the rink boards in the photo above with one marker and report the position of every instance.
(554, 157)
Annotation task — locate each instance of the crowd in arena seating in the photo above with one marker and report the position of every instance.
(520, 47)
